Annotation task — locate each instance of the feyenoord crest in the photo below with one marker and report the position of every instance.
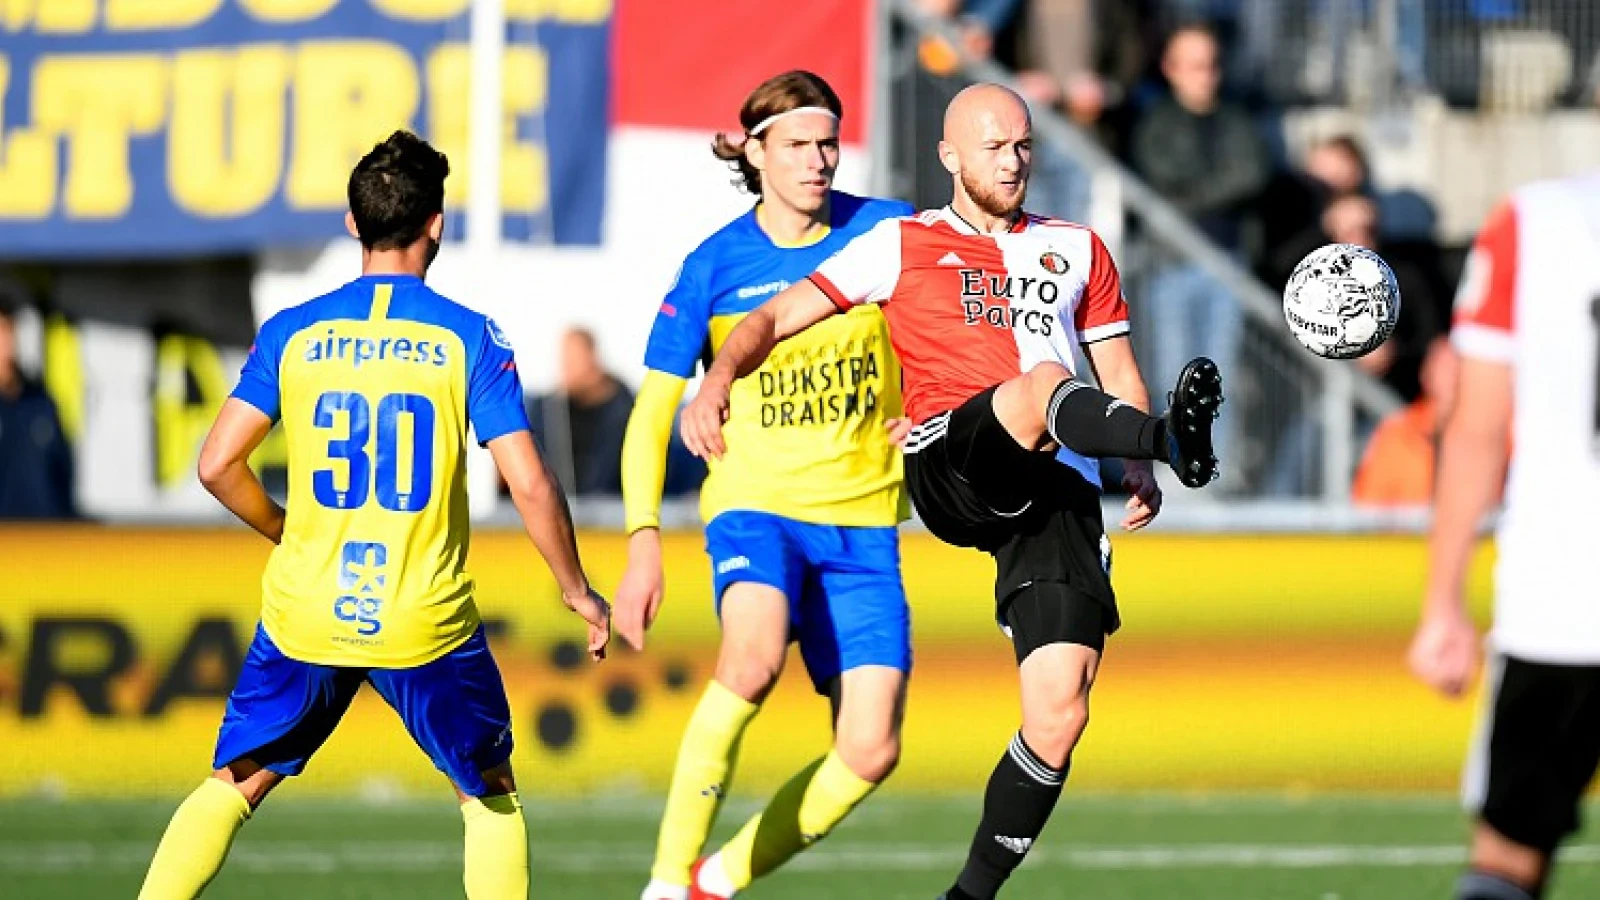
(1053, 262)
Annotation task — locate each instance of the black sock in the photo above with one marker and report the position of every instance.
(1484, 886)
(1021, 793)
(1095, 424)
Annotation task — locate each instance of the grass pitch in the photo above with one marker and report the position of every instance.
(897, 847)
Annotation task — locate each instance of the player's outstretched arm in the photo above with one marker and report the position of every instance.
(1117, 371)
(793, 310)
(1472, 461)
(225, 468)
(543, 507)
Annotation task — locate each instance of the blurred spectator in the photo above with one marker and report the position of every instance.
(35, 458)
(977, 21)
(1200, 151)
(1397, 468)
(1085, 57)
(580, 426)
(1204, 155)
(1292, 206)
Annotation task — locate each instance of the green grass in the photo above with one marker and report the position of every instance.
(1110, 847)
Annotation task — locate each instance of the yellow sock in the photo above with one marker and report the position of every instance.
(196, 842)
(497, 848)
(801, 813)
(700, 780)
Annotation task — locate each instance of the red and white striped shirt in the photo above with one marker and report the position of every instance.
(969, 310)
(1530, 299)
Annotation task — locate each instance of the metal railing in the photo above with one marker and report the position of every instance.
(1480, 54)
(1293, 422)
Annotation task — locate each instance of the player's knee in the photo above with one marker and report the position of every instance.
(751, 675)
(250, 780)
(1020, 403)
(1056, 729)
(872, 757)
(1042, 380)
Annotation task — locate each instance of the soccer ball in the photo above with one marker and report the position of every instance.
(1342, 301)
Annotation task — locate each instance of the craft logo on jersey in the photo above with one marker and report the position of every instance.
(761, 290)
(362, 577)
(1053, 262)
(996, 300)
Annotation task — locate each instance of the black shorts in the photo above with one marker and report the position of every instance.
(974, 486)
(1537, 752)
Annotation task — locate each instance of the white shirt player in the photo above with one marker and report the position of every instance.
(1530, 298)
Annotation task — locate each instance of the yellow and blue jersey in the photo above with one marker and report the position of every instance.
(806, 432)
(375, 385)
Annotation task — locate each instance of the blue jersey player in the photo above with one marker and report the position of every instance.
(376, 385)
(801, 512)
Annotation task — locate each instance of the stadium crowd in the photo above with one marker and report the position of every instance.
(1190, 95)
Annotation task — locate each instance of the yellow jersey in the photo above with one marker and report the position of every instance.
(806, 433)
(376, 385)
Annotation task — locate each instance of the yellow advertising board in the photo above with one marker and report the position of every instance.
(1244, 662)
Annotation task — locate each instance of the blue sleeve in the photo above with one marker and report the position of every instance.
(896, 209)
(494, 392)
(258, 380)
(682, 327)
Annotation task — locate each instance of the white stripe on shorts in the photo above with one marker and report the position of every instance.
(928, 432)
(1475, 774)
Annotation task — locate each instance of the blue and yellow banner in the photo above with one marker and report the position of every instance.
(168, 127)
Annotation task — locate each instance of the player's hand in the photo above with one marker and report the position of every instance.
(1445, 652)
(1144, 501)
(703, 418)
(597, 612)
(899, 429)
(639, 594)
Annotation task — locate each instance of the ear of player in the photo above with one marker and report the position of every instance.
(1193, 405)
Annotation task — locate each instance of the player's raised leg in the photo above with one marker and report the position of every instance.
(755, 627)
(1048, 403)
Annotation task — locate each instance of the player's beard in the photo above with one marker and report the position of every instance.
(433, 252)
(987, 200)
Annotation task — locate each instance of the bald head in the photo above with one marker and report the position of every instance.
(980, 106)
(988, 151)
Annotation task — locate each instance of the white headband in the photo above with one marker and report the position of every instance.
(766, 123)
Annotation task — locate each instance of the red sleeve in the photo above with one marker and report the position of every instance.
(865, 270)
(1486, 301)
(1102, 312)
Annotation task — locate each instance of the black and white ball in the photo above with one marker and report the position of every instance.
(1342, 301)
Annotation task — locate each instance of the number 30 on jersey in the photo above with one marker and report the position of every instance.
(402, 477)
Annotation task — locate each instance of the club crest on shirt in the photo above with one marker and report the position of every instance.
(496, 335)
(1053, 262)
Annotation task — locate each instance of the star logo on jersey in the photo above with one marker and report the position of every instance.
(1053, 262)
(363, 567)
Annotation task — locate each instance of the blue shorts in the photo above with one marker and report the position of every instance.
(847, 607)
(283, 710)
